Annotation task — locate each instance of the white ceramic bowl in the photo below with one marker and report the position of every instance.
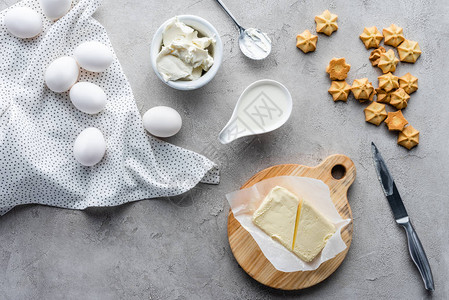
(232, 131)
(204, 28)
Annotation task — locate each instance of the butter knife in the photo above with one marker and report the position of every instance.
(400, 214)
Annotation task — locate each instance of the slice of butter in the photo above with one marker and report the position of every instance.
(276, 216)
(312, 233)
(294, 223)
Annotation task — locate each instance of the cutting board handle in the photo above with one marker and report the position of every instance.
(338, 161)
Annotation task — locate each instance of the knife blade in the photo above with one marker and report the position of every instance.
(415, 247)
(388, 185)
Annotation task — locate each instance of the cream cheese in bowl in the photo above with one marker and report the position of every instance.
(184, 55)
(186, 52)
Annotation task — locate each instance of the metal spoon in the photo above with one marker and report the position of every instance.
(254, 43)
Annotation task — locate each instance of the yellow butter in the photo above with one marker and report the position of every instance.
(276, 216)
(294, 223)
(313, 232)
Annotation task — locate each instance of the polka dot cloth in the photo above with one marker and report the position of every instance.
(38, 128)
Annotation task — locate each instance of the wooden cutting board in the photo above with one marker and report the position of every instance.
(247, 252)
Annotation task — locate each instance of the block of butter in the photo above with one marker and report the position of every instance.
(294, 223)
(276, 216)
(312, 232)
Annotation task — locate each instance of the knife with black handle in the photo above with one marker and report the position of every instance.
(400, 214)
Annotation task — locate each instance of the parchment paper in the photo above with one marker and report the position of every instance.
(244, 202)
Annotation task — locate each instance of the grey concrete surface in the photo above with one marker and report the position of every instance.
(177, 248)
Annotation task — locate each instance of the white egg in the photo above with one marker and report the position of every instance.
(162, 121)
(88, 97)
(89, 147)
(55, 9)
(23, 22)
(61, 74)
(93, 56)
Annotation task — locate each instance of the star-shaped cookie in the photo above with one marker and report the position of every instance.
(363, 89)
(338, 69)
(409, 83)
(393, 35)
(399, 99)
(409, 137)
(396, 121)
(409, 51)
(388, 82)
(375, 113)
(339, 90)
(306, 41)
(388, 61)
(326, 22)
(371, 37)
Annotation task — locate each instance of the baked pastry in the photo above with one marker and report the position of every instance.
(326, 22)
(338, 69)
(393, 35)
(339, 90)
(363, 89)
(383, 96)
(375, 113)
(396, 121)
(409, 51)
(375, 55)
(409, 137)
(371, 37)
(388, 61)
(409, 83)
(306, 41)
(399, 99)
(388, 82)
